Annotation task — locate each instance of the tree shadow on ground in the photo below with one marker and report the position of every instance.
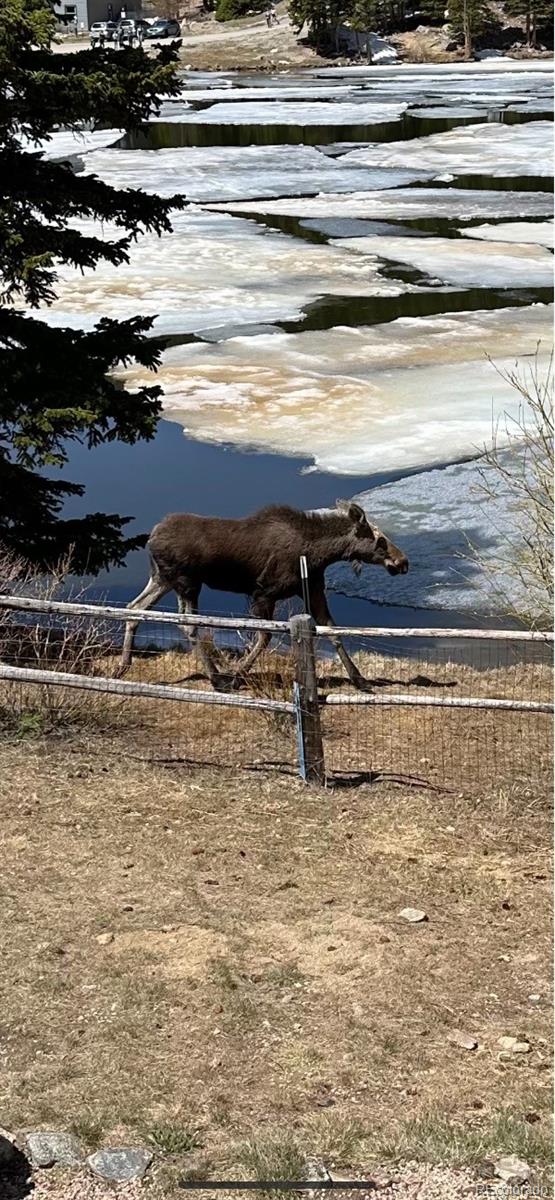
(15, 1171)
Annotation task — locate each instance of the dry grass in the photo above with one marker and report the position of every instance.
(468, 749)
(428, 46)
(260, 984)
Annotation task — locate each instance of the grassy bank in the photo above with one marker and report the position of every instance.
(259, 999)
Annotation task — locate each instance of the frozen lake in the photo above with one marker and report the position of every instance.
(357, 244)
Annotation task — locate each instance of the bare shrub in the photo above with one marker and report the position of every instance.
(518, 469)
(76, 645)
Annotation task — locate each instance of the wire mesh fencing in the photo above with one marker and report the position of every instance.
(250, 726)
(419, 712)
(428, 718)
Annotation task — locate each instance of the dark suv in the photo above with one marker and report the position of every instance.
(163, 29)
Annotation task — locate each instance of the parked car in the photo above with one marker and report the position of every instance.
(163, 29)
(103, 29)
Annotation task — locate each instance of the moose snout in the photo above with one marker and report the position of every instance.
(399, 567)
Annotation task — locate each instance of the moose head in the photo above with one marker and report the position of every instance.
(367, 543)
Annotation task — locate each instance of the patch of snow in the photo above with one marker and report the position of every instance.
(382, 51)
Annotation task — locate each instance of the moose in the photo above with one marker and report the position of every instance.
(259, 556)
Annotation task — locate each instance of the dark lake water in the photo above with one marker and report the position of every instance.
(177, 473)
(173, 473)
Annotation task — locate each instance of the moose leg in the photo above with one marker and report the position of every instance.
(322, 616)
(187, 603)
(263, 608)
(150, 595)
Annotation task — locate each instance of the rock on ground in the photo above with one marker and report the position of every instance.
(512, 1169)
(47, 1148)
(120, 1165)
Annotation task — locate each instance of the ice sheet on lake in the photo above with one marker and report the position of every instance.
(283, 112)
(212, 270)
(464, 263)
(409, 203)
(537, 233)
(443, 521)
(436, 87)
(355, 400)
(266, 91)
(442, 112)
(212, 174)
(68, 143)
(491, 149)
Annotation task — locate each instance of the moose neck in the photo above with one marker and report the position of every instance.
(330, 539)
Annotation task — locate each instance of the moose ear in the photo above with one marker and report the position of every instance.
(355, 513)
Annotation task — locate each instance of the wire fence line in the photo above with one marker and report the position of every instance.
(444, 707)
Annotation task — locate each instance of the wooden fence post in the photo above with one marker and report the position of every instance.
(309, 730)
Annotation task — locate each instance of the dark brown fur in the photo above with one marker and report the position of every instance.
(259, 556)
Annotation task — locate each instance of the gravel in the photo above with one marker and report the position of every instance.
(416, 1181)
(80, 1185)
(413, 1181)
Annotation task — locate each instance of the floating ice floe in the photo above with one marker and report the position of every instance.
(355, 400)
(460, 543)
(211, 174)
(446, 112)
(68, 143)
(490, 87)
(491, 149)
(529, 104)
(283, 112)
(530, 72)
(266, 91)
(212, 270)
(536, 233)
(464, 263)
(407, 203)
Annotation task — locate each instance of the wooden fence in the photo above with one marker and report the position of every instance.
(306, 704)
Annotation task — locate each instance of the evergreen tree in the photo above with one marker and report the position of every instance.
(468, 18)
(54, 386)
(535, 13)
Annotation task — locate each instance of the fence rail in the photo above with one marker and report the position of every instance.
(154, 691)
(393, 698)
(305, 703)
(113, 613)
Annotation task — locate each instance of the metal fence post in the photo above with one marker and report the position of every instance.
(309, 730)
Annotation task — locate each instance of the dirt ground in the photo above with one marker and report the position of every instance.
(260, 1002)
(245, 44)
(248, 45)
